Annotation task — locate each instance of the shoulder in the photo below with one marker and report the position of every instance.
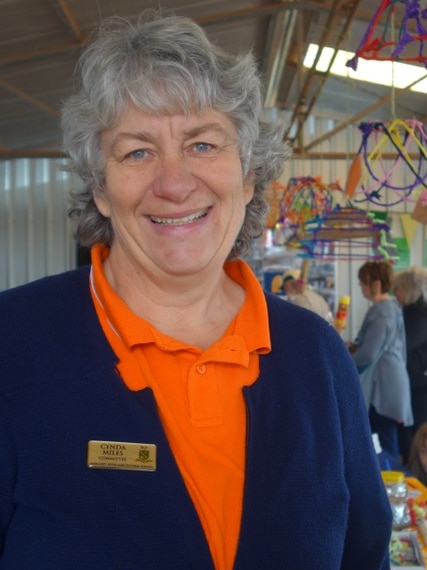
(44, 315)
(299, 325)
(56, 285)
(415, 318)
(384, 309)
(307, 353)
(417, 310)
(41, 299)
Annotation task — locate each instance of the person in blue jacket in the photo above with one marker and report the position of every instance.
(380, 356)
(158, 410)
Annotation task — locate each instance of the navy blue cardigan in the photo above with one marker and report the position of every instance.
(313, 496)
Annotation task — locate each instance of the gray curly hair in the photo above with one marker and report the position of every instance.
(412, 282)
(163, 64)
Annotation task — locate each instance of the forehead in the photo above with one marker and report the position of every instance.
(134, 118)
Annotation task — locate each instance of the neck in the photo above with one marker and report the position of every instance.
(197, 313)
(380, 297)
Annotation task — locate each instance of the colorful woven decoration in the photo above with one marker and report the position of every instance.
(344, 233)
(306, 197)
(372, 175)
(412, 15)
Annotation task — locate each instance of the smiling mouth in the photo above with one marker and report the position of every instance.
(179, 221)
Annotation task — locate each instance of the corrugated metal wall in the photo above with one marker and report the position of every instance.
(35, 234)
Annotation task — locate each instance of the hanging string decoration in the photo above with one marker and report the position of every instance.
(304, 198)
(392, 46)
(372, 175)
(344, 233)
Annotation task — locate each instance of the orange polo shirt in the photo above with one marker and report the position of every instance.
(199, 396)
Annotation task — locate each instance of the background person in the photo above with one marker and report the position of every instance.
(380, 356)
(301, 294)
(154, 409)
(410, 286)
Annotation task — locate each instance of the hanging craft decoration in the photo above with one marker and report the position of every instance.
(372, 175)
(384, 46)
(344, 233)
(304, 198)
(320, 220)
(354, 176)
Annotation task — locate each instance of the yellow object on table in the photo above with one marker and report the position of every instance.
(418, 493)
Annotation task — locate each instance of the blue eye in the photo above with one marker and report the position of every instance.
(202, 147)
(139, 153)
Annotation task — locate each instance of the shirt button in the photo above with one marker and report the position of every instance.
(201, 369)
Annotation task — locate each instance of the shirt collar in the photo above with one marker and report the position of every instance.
(249, 329)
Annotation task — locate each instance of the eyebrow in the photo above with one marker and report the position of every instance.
(199, 130)
(144, 136)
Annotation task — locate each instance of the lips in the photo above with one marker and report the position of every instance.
(179, 221)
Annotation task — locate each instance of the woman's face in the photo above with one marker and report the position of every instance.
(371, 289)
(174, 190)
(367, 290)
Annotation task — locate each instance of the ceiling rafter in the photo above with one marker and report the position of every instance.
(358, 116)
(271, 9)
(21, 57)
(305, 104)
(29, 98)
(65, 14)
(39, 48)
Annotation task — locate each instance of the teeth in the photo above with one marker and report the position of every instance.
(177, 221)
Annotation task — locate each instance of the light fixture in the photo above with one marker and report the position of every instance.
(388, 73)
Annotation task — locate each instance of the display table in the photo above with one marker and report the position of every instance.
(408, 547)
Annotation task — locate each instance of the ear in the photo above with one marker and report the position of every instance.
(249, 189)
(102, 202)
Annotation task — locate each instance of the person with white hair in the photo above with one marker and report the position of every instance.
(301, 294)
(410, 286)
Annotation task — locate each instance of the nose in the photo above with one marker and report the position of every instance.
(175, 180)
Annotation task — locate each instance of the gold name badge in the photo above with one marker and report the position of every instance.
(121, 455)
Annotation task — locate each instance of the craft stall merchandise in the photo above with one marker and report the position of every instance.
(323, 221)
(408, 501)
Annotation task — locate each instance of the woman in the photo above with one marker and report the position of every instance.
(380, 356)
(409, 287)
(161, 411)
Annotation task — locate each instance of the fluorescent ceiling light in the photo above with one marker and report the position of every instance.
(389, 73)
